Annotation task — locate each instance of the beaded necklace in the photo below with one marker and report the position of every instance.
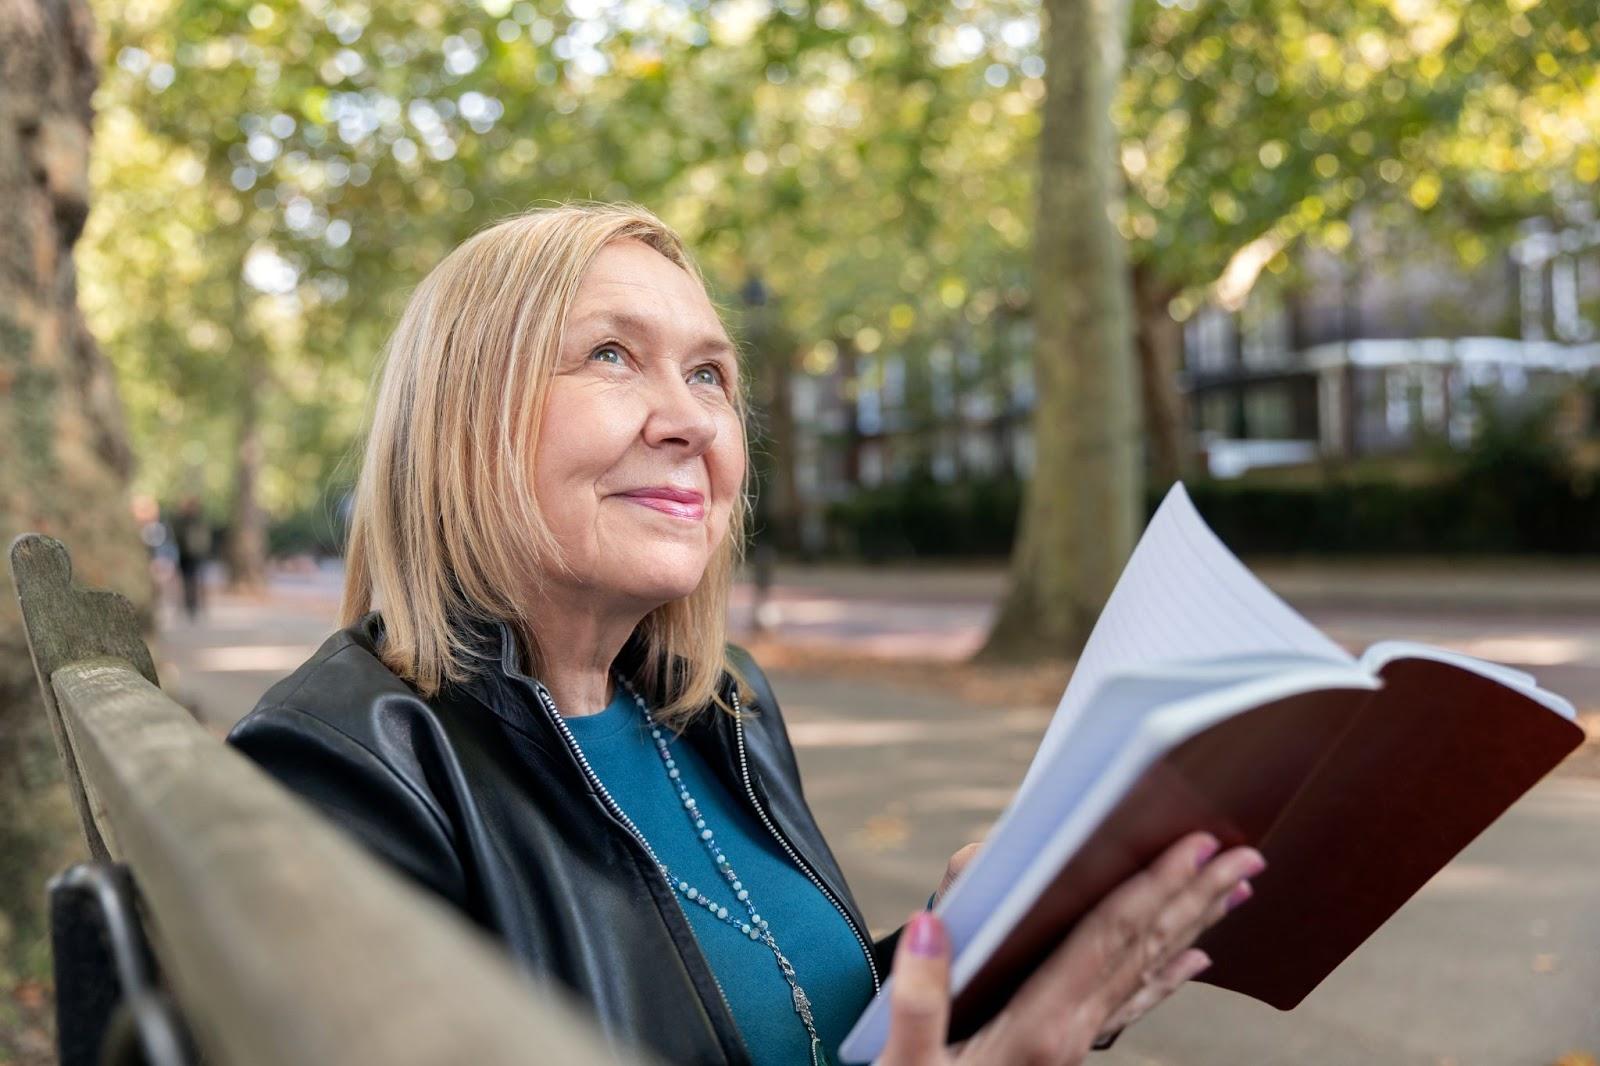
(752, 925)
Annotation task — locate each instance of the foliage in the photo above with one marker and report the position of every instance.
(924, 518)
(316, 530)
(1271, 120)
(327, 155)
(1514, 489)
(275, 176)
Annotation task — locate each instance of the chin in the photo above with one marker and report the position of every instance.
(659, 595)
(661, 580)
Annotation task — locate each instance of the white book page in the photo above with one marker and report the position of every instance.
(1135, 717)
(1387, 651)
(1151, 728)
(1183, 596)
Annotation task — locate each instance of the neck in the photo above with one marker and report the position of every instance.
(577, 652)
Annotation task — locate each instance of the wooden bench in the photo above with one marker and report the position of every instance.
(273, 937)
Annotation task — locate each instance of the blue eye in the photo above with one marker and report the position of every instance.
(714, 371)
(616, 355)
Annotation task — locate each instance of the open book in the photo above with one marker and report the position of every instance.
(1203, 701)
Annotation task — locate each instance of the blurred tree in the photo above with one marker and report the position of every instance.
(1250, 125)
(326, 156)
(66, 459)
(286, 171)
(1081, 509)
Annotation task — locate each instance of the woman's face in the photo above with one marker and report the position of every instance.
(641, 452)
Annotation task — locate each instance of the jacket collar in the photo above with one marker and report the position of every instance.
(498, 681)
(499, 684)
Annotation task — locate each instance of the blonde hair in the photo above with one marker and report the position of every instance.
(445, 530)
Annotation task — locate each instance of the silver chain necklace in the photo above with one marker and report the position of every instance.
(755, 928)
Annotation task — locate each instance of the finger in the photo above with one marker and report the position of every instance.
(1093, 971)
(1188, 965)
(1136, 930)
(958, 862)
(919, 997)
(1197, 904)
(1170, 957)
(1221, 886)
(1143, 895)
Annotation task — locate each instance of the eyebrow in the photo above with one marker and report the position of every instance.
(625, 321)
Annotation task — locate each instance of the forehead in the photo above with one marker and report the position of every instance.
(629, 276)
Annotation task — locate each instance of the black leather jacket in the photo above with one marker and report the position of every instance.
(478, 794)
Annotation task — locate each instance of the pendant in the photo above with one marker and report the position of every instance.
(802, 1005)
(819, 1057)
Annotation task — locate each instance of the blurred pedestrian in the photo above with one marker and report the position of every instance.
(193, 538)
(764, 560)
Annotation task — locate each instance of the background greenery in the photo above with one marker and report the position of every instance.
(870, 163)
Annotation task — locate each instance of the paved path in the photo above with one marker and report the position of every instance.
(1496, 962)
(1544, 618)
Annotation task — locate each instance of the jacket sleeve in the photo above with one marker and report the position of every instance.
(356, 790)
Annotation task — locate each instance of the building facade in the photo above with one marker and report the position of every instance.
(1371, 353)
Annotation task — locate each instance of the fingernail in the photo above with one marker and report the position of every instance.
(1207, 850)
(1256, 865)
(1241, 892)
(925, 935)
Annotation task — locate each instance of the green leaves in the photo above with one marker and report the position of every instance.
(867, 160)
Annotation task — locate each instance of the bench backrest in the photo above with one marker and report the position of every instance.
(283, 939)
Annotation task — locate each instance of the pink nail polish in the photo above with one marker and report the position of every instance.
(1241, 892)
(1206, 852)
(925, 935)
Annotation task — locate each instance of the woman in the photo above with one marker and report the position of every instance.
(543, 723)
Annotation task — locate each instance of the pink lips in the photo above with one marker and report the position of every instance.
(680, 503)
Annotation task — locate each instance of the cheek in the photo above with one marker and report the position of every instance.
(580, 439)
(726, 460)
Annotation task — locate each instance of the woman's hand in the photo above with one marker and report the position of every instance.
(958, 862)
(1127, 955)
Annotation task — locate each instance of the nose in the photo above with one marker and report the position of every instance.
(678, 418)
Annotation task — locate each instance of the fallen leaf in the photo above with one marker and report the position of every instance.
(884, 831)
(30, 994)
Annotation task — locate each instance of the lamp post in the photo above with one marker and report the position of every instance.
(774, 397)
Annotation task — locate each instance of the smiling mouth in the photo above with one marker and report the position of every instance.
(678, 503)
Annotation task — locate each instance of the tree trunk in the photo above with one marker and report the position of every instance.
(783, 509)
(778, 507)
(66, 459)
(848, 367)
(1081, 512)
(246, 552)
(1158, 338)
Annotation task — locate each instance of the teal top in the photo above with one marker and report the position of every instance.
(812, 934)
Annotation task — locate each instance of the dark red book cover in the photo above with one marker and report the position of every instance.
(1355, 797)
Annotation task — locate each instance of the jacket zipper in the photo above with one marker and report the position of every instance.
(794, 856)
(548, 703)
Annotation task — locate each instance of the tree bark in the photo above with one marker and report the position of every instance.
(772, 353)
(1082, 507)
(66, 459)
(1158, 339)
(246, 550)
(783, 509)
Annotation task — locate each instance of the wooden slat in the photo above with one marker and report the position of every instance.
(66, 623)
(286, 942)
